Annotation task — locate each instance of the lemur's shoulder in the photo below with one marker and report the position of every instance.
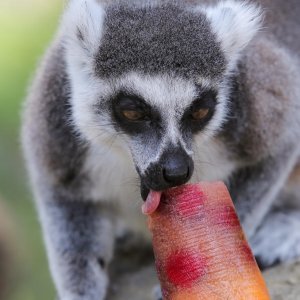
(265, 99)
(48, 134)
(281, 18)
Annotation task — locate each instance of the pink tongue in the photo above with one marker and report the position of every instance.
(151, 203)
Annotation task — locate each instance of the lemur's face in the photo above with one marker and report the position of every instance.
(160, 116)
(156, 76)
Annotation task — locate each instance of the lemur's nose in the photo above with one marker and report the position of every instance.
(177, 168)
(175, 171)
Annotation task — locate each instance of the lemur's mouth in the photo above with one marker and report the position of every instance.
(152, 202)
(144, 191)
(151, 198)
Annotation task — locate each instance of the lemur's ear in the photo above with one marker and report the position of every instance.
(83, 25)
(235, 24)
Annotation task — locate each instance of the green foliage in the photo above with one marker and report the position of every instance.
(26, 28)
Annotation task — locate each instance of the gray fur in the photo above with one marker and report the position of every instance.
(137, 39)
(261, 99)
(279, 235)
(282, 20)
(263, 180)
(79, 173)
(79, 239)
(49, 120)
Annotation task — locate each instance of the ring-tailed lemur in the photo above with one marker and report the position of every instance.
(154, 94)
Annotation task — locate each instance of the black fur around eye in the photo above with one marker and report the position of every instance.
(130, 107)
(132, 114)
(200, 112)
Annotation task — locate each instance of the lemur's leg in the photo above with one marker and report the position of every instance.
(254, 189)
(79, 237)
(278, 238)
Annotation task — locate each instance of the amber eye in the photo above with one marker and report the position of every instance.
(200, 114)
(133, 115)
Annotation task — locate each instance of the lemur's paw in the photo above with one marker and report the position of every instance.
(157, 295)
(278, 239)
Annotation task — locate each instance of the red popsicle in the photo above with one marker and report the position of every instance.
(200, 250)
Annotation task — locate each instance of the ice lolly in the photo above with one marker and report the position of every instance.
(201, 252)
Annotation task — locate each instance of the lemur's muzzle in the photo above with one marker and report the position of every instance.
(175, 167)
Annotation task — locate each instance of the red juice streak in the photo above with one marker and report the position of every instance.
(184, 268)
(189, 200)
(246, 251)
(224, 216)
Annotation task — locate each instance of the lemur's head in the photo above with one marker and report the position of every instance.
(155, 73)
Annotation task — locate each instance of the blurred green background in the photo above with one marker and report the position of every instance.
(26, 28)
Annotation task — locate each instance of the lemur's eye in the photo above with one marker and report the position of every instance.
(200, 114)
(133, 115)
(201, 110)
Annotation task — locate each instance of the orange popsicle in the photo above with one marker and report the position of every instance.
(200, 250)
